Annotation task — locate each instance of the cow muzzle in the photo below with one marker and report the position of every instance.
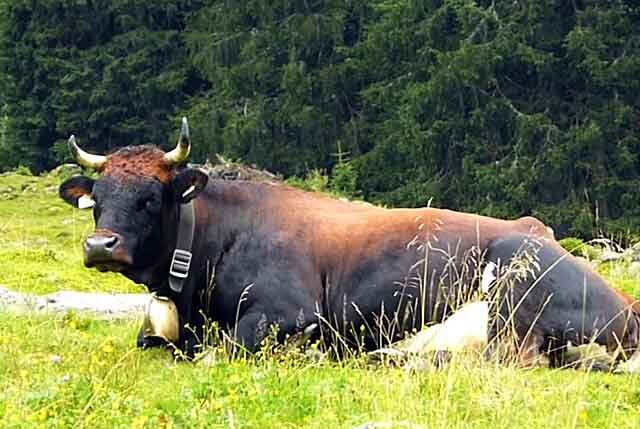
(161, 319)
(105, 251)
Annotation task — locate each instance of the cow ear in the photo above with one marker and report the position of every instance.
(77, 192)
(188, 184)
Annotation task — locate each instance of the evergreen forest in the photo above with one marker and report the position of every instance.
(500, 107)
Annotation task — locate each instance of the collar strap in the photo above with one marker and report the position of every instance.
(181, 260)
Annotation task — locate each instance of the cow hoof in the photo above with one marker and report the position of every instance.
(145, 342)
(149, 342)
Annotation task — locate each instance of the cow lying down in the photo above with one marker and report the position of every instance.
(544, 305)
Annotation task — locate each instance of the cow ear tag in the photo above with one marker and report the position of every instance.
(488, 277)
(86, 202)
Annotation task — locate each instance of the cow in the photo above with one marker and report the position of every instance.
(543, 300)
(260, 254)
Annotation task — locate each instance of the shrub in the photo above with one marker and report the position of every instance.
(578, 247)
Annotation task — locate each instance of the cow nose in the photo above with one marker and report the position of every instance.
(101, 242)
(101, 249)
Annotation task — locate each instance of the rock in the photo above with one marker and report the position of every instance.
(110, 306)
(630, 366)
(113, 305)
(609, 255)
(8, 194)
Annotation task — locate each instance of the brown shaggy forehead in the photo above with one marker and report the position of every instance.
(138, 161)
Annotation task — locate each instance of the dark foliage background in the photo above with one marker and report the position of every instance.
(501, 107)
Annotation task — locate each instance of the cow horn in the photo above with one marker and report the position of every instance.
(181, 152)
(83, 158)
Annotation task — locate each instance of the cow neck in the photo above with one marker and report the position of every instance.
(233, 207)
(182, 254)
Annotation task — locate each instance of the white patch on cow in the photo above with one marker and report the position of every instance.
(488, 277)
(466, 329)
(189, 190)
(86, 202)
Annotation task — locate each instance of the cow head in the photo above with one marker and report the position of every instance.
(135, 204)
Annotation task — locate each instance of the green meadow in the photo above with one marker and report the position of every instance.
(72, 370)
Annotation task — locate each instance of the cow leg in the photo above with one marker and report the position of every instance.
(188, 344)
(248, 332)
(558, 358)
(277, 292)
(252, 328)
(255, 325)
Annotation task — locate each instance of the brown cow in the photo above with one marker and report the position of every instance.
(270, 254)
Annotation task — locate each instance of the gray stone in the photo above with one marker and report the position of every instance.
(105, 305)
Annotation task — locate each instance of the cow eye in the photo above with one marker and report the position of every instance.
(144, 203)
(148, 204)
(151, 205)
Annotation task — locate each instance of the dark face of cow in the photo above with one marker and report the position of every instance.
(135, 208)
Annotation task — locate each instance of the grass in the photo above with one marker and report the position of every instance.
(74, 371)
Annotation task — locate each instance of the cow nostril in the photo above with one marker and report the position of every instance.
(101, 244)
(110, 242)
